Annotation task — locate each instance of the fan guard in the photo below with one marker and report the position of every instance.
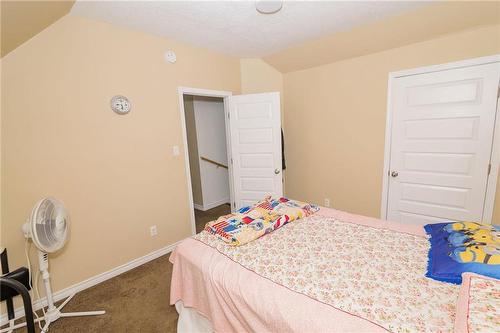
(49, 224)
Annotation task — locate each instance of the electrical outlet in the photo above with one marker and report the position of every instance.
(153, 230)
(327, 202)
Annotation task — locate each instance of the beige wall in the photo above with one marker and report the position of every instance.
(336, 113)
(194, 161)
(116, 174)
(257, 76)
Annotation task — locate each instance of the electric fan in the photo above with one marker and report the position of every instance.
(48, 228)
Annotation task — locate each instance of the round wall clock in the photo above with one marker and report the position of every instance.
(120, 104)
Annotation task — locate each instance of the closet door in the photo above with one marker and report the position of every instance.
(441, 142)
(255, 130)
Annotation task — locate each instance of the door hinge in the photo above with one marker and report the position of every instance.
(228, 116)
(489, 169)
(231, 160)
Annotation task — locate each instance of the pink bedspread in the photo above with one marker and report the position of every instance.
(478, 307)
(236, 299)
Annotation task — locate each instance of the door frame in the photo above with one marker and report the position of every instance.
(491, 186)
(204, 93)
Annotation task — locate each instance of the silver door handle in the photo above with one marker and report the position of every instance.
(394, 174)
(277, 171)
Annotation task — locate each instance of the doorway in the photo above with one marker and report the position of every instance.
(208, 158)
(250, 166)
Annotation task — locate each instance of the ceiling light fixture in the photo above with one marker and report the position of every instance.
(268, 6)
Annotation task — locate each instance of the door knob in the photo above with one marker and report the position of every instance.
(277, 171)
(394, 174)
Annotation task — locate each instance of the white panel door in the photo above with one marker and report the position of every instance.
(442, 134)
(255, 130)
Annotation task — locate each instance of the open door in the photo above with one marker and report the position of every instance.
(255, 147)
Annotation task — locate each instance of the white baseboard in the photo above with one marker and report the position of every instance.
(90, 282)
(212, 205)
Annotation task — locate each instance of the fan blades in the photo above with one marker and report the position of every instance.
(49, 225)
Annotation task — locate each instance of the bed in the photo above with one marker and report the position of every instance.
(330, 272)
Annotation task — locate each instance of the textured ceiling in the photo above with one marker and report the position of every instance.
(235, 27)
(21, 20)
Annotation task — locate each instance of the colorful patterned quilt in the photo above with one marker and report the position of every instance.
(252, 222)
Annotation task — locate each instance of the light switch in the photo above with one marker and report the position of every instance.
(175, 151)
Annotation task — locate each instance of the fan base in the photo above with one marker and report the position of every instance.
(51, 315)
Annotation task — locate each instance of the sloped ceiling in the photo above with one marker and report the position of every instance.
(411, 27)
(21, 20)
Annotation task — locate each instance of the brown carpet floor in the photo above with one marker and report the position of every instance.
(135, 301)
(202, 217)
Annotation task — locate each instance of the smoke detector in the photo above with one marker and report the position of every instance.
(268, 6)
(170, 56)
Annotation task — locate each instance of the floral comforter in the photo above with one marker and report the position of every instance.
(484, 305)
(372, 273)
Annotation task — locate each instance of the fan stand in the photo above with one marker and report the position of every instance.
(53, 313)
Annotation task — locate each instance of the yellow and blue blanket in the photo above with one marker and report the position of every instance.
(463, 247)
(252, 222)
